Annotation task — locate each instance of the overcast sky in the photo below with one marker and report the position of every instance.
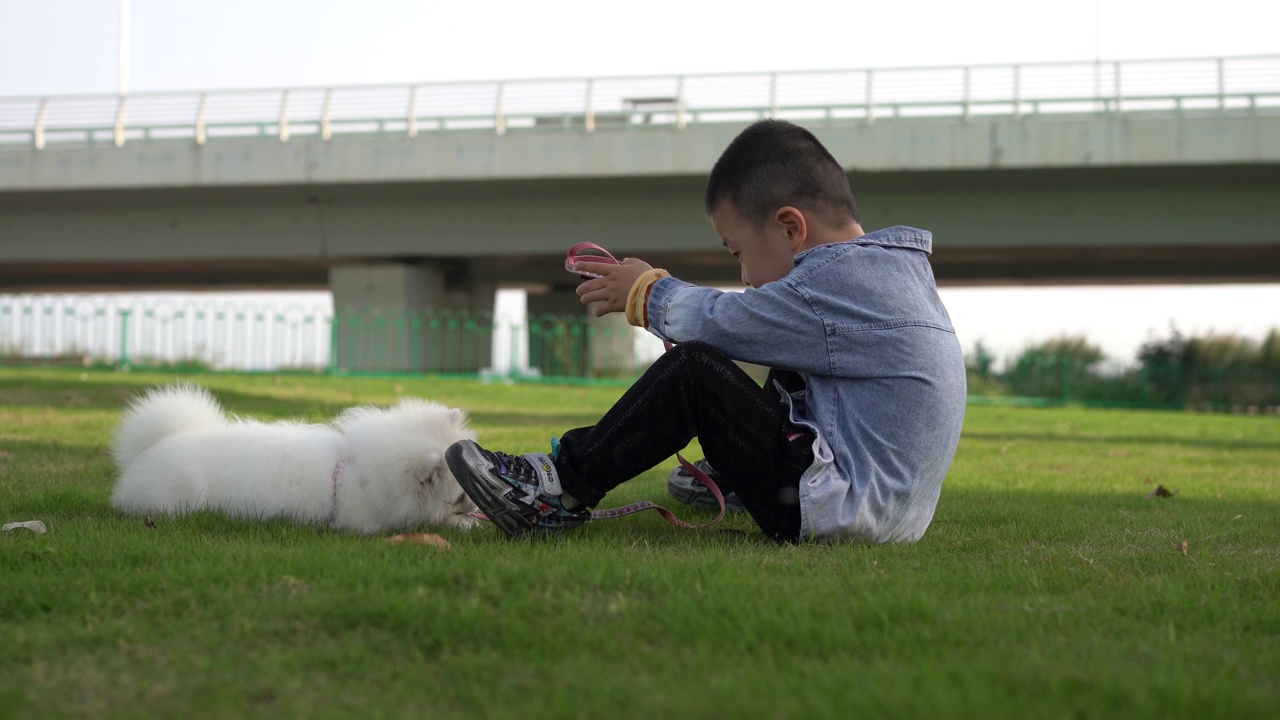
(70, 46)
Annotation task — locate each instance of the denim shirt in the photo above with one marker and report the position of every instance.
(884, 375)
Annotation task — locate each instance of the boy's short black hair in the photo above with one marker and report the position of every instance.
(774, 163)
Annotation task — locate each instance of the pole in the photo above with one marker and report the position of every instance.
(122, 68)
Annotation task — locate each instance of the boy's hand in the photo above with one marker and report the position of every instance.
(609, 291)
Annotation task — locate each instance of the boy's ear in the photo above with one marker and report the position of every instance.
(793, 225)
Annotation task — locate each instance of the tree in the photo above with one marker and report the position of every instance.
(1054, 367)
(980, 360)
(1169, 352)
(1076, 350)
(1269, 351)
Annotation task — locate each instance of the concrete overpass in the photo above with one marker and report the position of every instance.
(435, 194)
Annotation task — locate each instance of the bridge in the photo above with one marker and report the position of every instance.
(434, 194)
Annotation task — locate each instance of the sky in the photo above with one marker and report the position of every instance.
(71, 47)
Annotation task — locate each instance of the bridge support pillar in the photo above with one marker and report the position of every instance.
(566, 340)
(411, 317)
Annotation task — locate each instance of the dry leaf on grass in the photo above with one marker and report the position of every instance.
(419, 539)
(1161, 491)
(1184, 547)
(147, 521)
(34, 526)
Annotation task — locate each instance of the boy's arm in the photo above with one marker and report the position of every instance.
(773, 325)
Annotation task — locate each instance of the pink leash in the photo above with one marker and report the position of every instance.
(665, 513)
(590, 252)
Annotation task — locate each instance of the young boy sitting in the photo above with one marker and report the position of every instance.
(860, 417)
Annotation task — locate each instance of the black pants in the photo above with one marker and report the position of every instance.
(692, 391)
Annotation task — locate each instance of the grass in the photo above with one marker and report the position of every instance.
(1047, 587)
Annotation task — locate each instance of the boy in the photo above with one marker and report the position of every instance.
(858, 421)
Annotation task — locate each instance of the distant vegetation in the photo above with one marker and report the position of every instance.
(1217, 372)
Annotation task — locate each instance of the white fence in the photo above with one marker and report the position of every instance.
(590, 105)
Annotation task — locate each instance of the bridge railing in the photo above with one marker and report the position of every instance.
(597, 104)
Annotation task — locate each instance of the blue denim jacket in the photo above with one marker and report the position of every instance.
(862, 323)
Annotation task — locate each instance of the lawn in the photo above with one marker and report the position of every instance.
(1050, 585)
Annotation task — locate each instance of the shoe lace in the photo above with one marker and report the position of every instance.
(517, 467)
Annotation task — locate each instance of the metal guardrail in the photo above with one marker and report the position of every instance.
(593, 104)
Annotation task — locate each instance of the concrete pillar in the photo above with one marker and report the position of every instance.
(566, 341)
(401, 317)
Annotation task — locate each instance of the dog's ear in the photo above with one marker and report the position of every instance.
(431, 469)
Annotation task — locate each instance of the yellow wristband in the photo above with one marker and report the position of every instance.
(637, 307)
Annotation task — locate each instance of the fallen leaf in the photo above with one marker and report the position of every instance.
(1184, 547)
(34, 526)
(1161, 491)
(419, 539)
(147, 521)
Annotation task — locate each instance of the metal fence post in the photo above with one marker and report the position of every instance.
(871, 99)
(1222, 85)
(326, 131)
(284, 117)
(773, 95)
(680, 104)
(124, 338)
(1066, 380)
(118, 135)
(333, 342)
(499, 117)
(1118, 87)
(968, 105)
(201, 130)
(38, 137)
(412, 122)
(1017, 91)
(589, 119)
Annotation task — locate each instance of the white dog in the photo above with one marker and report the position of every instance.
(372, 470)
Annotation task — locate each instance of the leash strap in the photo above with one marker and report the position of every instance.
(665, 513)
(590, 252)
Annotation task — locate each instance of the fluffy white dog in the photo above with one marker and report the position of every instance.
(372, 470)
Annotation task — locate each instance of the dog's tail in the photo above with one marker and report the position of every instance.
(164, 411)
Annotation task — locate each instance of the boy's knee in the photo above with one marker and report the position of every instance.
(696, 348)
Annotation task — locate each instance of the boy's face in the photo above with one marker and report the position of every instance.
(764, 254)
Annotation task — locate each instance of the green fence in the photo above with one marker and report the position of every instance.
(145, 333)
(220, 335)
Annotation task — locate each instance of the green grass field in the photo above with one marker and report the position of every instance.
(1049, 586)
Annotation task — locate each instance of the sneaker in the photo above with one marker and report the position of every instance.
(519, 493)
(684, 487)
